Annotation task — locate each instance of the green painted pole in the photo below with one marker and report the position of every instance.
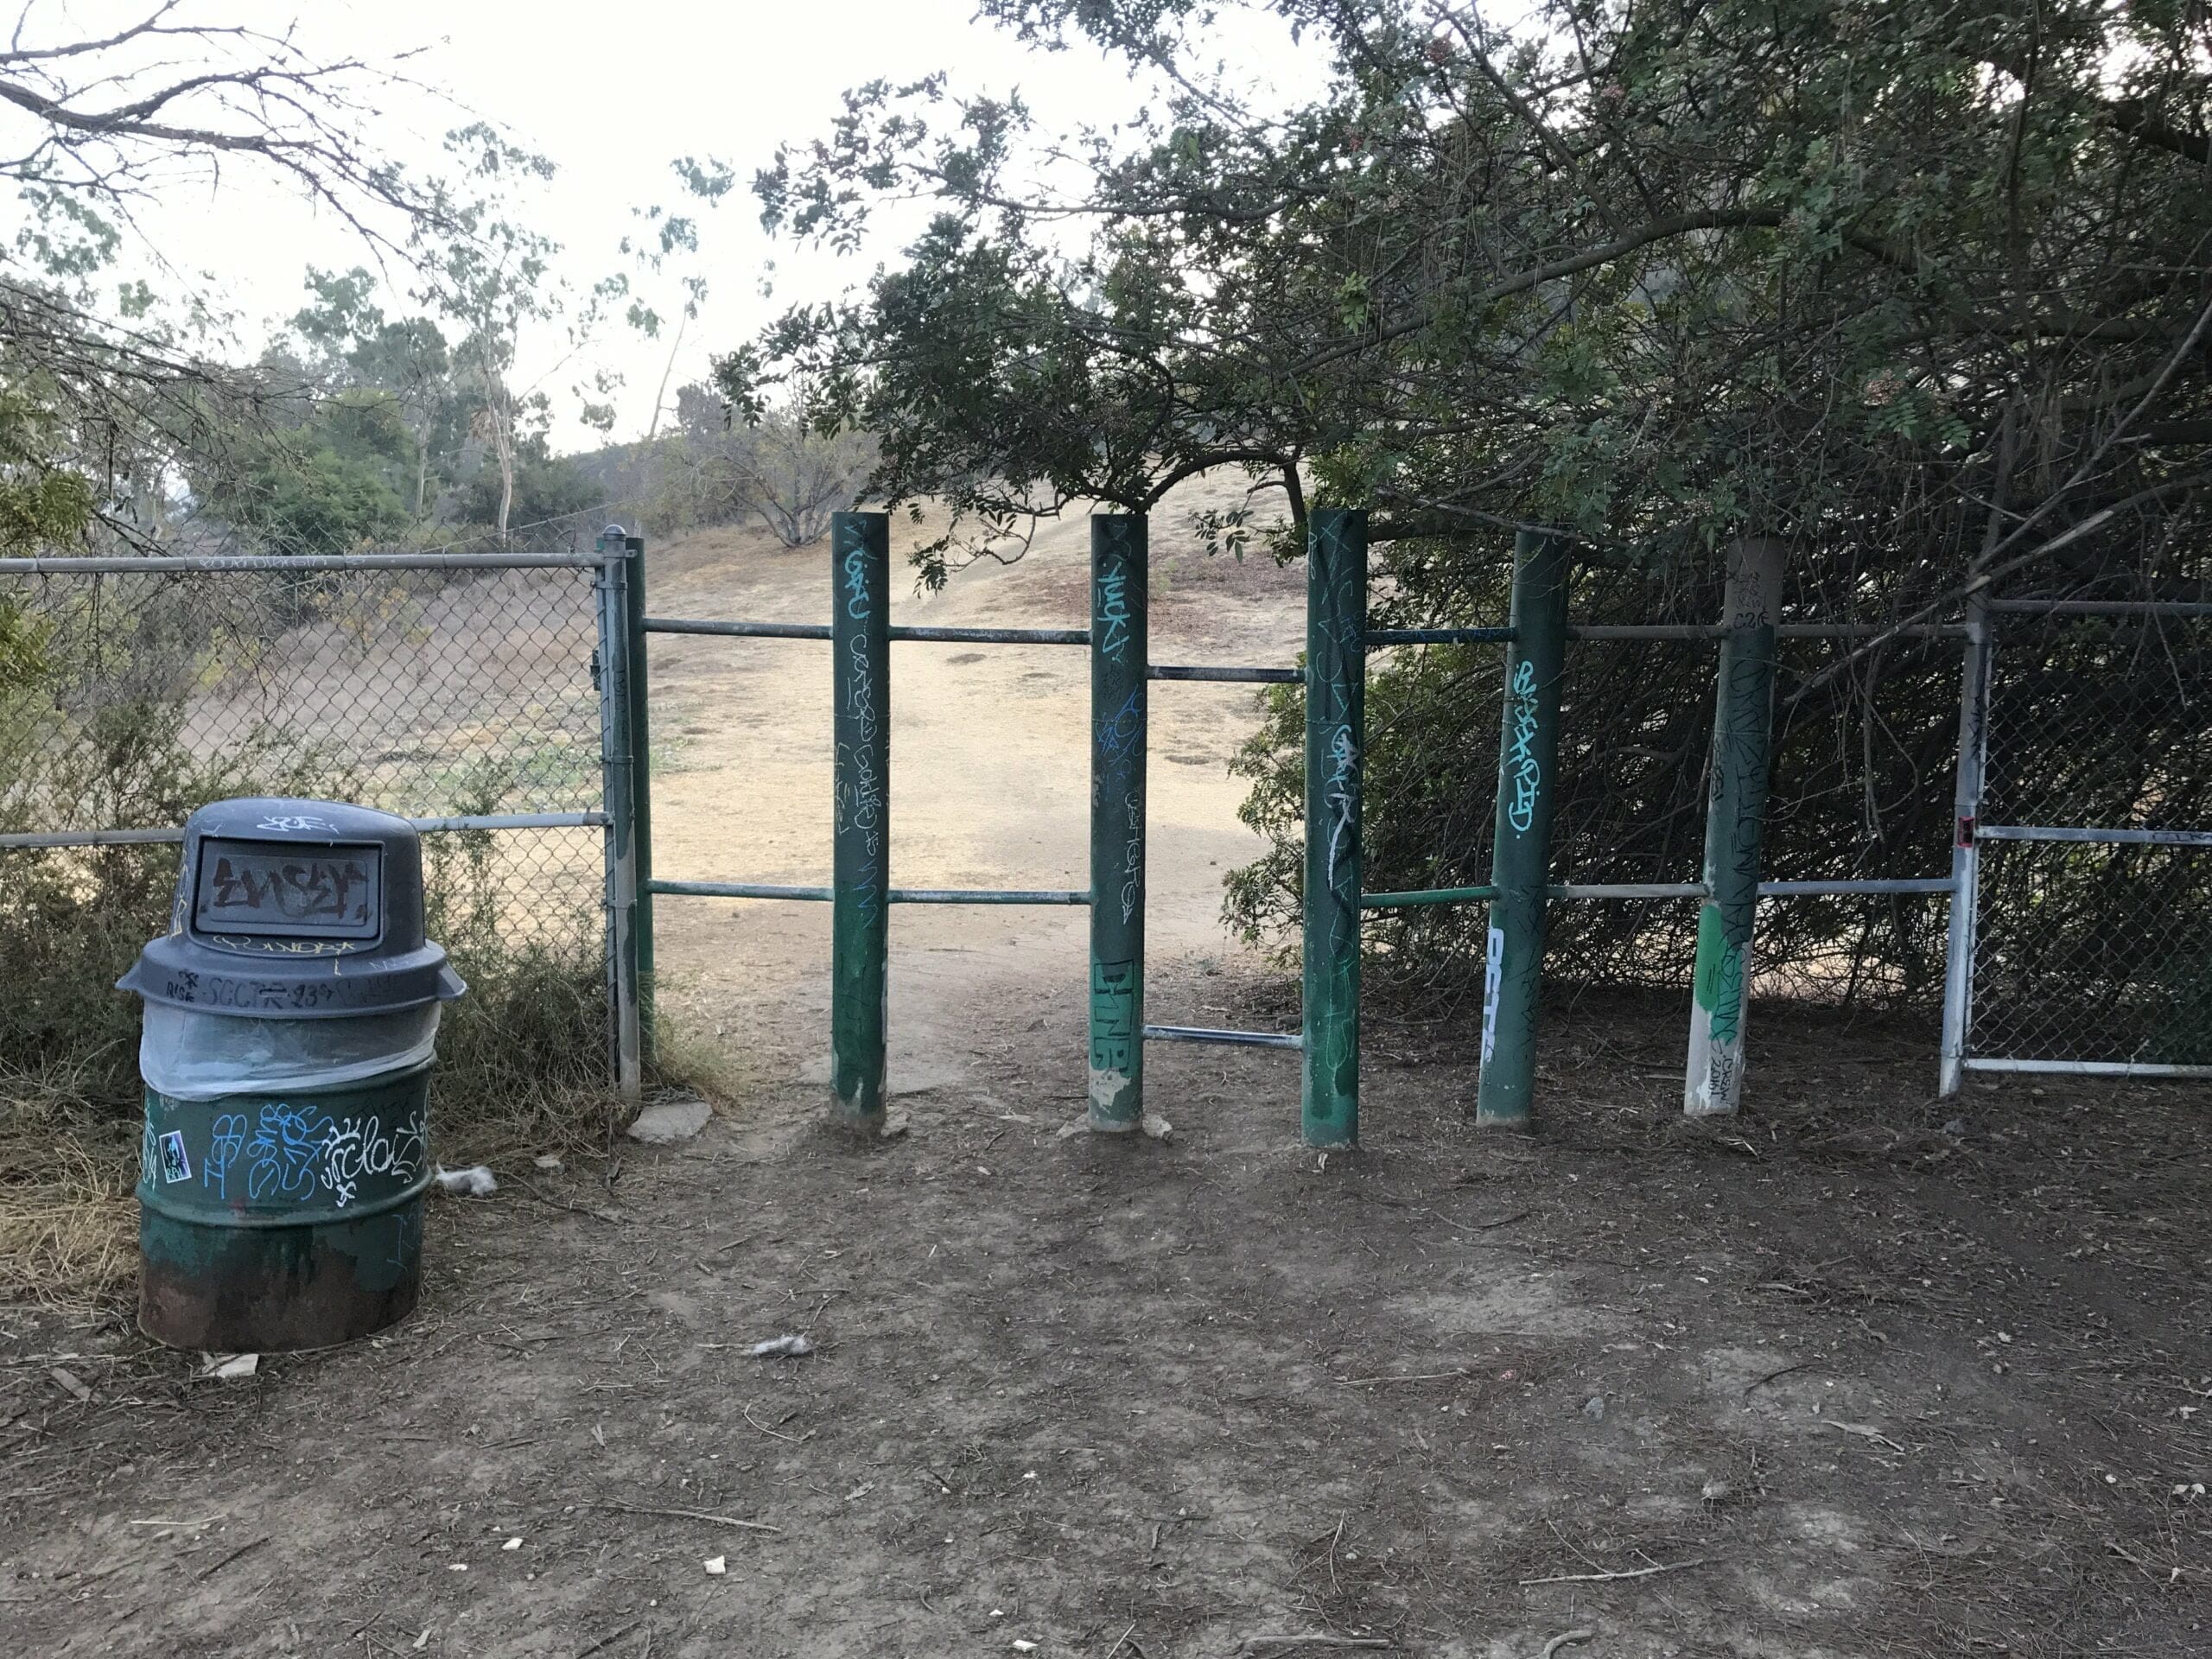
(860, 644)
(641, 784)
(1735, 814)
(1336, 740)
(1519, 859)
(1118, 683)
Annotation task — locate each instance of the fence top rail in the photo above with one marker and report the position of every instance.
(305, 563)
(2101, 607)
(60, 840)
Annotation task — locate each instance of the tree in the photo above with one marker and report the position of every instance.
(406, 361)
(1923, 290)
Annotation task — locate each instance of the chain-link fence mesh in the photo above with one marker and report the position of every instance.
(2090, 950)
(1863, 761)
(128, 699)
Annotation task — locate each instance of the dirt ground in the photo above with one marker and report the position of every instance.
(1861, 1372)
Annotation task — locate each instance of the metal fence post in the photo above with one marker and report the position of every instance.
(641, 774)
(1527, 757)
(861, 855)
(1735, 815)
(617, 800)
(1119, 657)
(1966, 850)
(1336, 740)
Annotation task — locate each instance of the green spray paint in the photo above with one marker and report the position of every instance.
(1336, 742)
(1118, 685)
(1528, 759)
(1735, 815)
(860, 646)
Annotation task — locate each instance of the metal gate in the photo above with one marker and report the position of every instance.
(2085, 840)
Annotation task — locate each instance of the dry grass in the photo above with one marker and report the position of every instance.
(68, 1221)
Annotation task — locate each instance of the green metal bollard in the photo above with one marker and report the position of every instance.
(619, 798)
(1528, 759)
(641, 789)
(1735, 814)
(859, 643)
(1118, 686)
(1336, 740)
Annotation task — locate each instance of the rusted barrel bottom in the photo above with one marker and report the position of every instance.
(272, 1223)
(271, 1290)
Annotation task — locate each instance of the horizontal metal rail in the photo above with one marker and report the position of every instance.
(1438, 636)
(1691, 631)
(1657, 890)
(2101, 607)
(1629, 890)
(2114, 837)
(2088, 1068)
(1229, 1038)
(921, 635)
(171, 836)
(1839, 889)
(994, 636)
(738, 630)
(732, 890)
(1426, 896)
(1230, 676)
(897, 895)
(989, 896)
(213, 565)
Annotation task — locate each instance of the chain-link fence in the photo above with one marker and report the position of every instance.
(456, 689)
(2093, 940)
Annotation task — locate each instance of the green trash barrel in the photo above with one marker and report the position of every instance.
(291, 1017)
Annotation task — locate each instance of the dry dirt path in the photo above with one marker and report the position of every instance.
(989, 781)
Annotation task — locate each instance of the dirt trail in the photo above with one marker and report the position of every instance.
(990, 780)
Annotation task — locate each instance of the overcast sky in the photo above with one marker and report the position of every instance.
(611, 93)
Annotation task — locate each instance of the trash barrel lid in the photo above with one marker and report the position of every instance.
(296, 909)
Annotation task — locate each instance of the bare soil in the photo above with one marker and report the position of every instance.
(1859, 1372)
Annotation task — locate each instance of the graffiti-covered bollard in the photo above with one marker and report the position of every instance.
(291, 1018)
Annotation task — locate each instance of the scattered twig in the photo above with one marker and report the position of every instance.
(1123, 1637)
(1251, 1642)
(608, 1641)
(1864, 1431)
(529, 1192)
(687, 1515)
(1423, 1377)
(210, 1571)
(203, 1520)
(796, 1439)
(1566, 1638)
(1629, 1573)
(1760, 1382)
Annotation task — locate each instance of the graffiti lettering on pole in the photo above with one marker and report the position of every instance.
(1520, 761)
(1113, 1017)
(1341, 796)
(1493, 979)
(1112, 611)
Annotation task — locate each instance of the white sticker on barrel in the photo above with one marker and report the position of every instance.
(176, 1165)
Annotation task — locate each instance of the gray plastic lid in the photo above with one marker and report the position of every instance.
(296, 909)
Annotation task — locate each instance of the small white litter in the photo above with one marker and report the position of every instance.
(778, 1347)
(717, 1566)
(475, 1182)
(230, 1368)
(512, 1543)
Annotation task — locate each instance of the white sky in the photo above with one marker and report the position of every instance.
(612, 93)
